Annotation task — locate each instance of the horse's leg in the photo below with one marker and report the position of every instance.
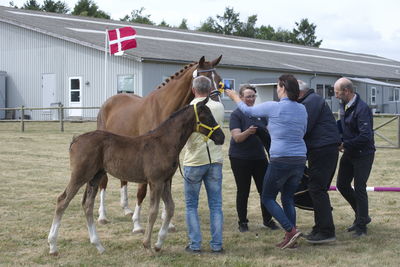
(102, 206)
(155, 195)
(87, 204)
(169, 212)
(141, 194)
(63, 201)
(171, 226)
(124, 199)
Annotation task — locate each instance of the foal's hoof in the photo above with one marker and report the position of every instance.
(103, 221)
(157, 249)
(54, 254)
(138, 231)
(171, 229)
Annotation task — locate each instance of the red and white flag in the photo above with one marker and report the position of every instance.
(121, 39)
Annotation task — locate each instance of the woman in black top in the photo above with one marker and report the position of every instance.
(248, 158)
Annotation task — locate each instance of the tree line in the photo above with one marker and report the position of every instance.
(228, 23)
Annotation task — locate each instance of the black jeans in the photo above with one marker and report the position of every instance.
(321, 169)
(243, 170)
(357, 168)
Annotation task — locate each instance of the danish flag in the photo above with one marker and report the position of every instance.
(121, 39)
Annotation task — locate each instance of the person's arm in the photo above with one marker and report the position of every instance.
(239, 136)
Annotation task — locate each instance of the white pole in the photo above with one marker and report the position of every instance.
(105, 65)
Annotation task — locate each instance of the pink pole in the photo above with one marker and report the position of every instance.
(376, 189)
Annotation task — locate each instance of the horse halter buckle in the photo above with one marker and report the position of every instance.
(200, 124)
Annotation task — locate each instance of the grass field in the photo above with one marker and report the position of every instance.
(34, 169)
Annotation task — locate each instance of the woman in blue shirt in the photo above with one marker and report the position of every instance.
(287, 124)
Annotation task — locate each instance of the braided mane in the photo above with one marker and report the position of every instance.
(167, 80)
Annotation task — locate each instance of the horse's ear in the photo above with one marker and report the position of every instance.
(216, 61)
(201, 61)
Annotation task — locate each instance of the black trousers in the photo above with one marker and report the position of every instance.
(321, 169)
(357, 168)
(243, 170)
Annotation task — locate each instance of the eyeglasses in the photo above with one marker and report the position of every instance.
(250, 96)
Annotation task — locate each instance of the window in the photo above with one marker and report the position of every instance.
(125, 84)
(373, 95)
(325, 90)
(394, 94)
(75, 89)
(228, 84)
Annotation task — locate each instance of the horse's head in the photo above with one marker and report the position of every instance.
(207, 68)
(206, 124)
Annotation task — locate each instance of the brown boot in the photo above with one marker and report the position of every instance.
(290, 238)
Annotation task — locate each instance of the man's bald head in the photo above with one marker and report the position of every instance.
(344, 89)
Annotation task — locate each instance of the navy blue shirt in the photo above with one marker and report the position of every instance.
(251, 148)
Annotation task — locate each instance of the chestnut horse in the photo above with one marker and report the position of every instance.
(132, 115)
(151, 158)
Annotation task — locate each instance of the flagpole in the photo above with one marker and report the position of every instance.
(105, 66)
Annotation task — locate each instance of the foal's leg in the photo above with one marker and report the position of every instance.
(124, 199)
(102, 206)
(87, 204)
(169, 212)
(140, 195)
(171, 226)
(155, 195)
(63, 201)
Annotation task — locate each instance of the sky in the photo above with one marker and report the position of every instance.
(361, 26)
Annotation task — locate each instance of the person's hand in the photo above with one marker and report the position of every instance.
(341, 147)
(233, 95)
(251, 130)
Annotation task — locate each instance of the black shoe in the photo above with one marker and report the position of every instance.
(271, 225)
(243, 227)
(219, 251)
(320, 238)
(310, 234)
(360, 232)
(354, 225)
(194, 251)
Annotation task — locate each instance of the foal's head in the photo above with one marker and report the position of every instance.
(206, 123)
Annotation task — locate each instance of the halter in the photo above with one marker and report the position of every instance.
(200, 124)
(218, 89)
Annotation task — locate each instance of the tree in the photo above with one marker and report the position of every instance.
(210, 25)
(137, 17)
(56, 7)
(265, 32)
(31, 5)
(11, 4)
(164, 24)
(183, 25)
(248, 29)
(304, 34)
(230, 22)
(89, 8)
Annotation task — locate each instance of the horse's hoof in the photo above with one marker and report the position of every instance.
(54, 254)
(171, 229)
(103, 221)
(157, 249)
(138, 231)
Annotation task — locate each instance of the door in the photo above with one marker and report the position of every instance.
(75, 101)
(48, 91)
(265, 93)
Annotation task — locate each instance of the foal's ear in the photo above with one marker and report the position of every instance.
(204, 102)
(201, 61)
(216, 61)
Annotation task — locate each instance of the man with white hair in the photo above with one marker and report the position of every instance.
(322, 140)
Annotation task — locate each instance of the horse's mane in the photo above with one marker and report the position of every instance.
(177, 74)
(175, 114)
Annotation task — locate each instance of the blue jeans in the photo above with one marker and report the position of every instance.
(284, 178)
(211, 174)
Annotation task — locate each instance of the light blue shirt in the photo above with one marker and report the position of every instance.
(287, 124)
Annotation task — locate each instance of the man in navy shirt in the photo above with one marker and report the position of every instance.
(358, 149)
(322, 141)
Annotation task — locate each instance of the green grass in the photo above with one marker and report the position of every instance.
(34, 169)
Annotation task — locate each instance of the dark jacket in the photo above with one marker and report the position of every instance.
(321, 127)
(357, 126)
